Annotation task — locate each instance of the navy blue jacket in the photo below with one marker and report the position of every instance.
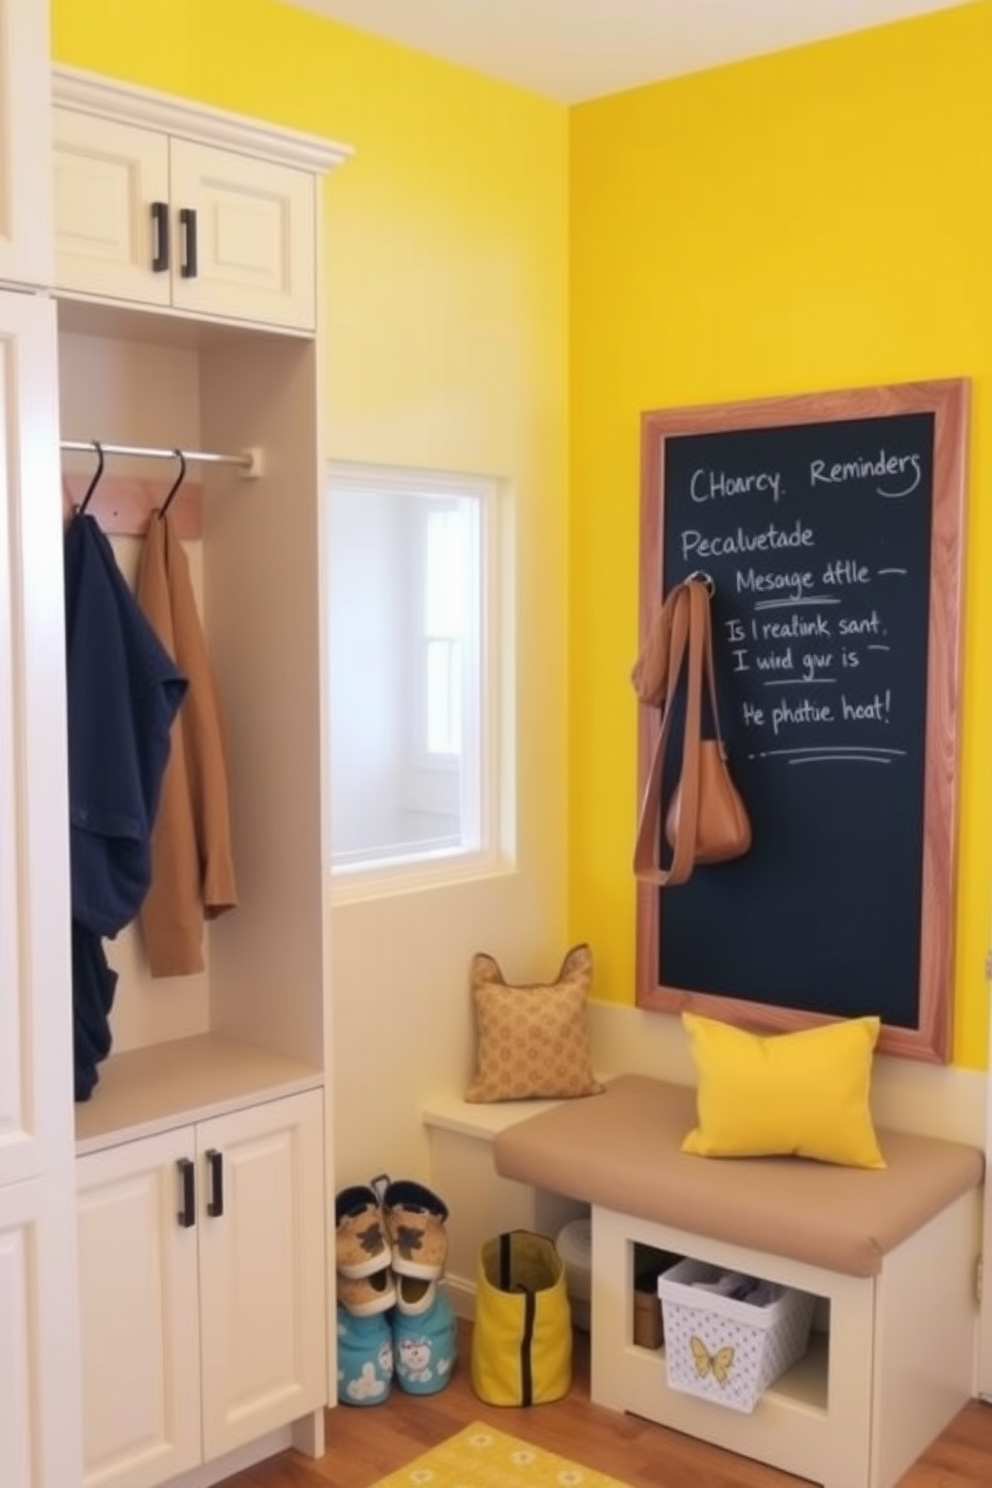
(123, 692)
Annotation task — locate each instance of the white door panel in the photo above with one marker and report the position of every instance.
(262, 1270)
(25, 195)
(35, 1054)
(138, 1291)
(254, 232)
(108, 177)
(39, 1411)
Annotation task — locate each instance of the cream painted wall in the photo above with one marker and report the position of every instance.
(814, 219)
(446, 247)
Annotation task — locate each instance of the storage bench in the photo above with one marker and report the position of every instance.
(890, 1255)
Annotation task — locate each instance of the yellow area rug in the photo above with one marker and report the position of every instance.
(481, 1457)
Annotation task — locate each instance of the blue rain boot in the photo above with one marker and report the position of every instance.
(425, 1338)
(365, 1358)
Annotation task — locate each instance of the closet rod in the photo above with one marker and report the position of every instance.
(250, 460)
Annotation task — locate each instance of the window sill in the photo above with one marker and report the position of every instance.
(359, 885)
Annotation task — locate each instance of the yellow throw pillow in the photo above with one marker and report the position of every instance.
(800, 1094)
(532, 1040)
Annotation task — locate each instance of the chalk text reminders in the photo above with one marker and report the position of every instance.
(895, 476)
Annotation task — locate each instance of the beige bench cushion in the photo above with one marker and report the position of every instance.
(620, 1150)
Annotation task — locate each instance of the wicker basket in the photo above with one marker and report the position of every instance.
(726, 1348)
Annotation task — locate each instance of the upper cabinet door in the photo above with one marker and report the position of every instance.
(25, 136)
(36, 1086)
(152, 220)
(112, 216)
(195, 211)
(245, 233)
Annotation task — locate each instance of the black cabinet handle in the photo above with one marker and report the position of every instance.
(187, 1175)
(160, 221)
(187, 217)
(215, 1204)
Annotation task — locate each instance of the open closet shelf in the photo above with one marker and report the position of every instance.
(154, 1089)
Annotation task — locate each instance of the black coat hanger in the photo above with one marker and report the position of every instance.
(97, 475)
(175, 485)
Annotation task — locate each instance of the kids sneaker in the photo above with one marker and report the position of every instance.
(364, 1296)
(365, 1359)
(425, 1345)
(360, 1242)
(414, 1294)
(414, 1219)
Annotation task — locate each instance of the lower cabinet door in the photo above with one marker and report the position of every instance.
(262, 1291)
(137, 1243)
(39, 1369)
(201, 1265)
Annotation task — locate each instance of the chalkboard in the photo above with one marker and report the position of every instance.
(830, 526)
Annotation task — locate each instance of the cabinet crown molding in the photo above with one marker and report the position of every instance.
(88, 92)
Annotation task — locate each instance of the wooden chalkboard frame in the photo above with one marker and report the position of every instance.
(947, 401)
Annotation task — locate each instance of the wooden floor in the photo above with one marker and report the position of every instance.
(364, 1443)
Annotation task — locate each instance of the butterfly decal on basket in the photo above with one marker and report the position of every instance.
(719, 1363)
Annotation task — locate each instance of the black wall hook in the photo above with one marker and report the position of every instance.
(175, 485)
(97, 474)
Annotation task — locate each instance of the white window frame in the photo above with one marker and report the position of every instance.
(482, 763)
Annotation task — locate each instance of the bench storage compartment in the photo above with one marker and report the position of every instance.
(727, 1347)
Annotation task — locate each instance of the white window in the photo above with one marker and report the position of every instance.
(411, 570)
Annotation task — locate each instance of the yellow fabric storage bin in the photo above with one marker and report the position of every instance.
(521, 1350)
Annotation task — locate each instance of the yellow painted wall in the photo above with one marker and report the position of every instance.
(813, 219)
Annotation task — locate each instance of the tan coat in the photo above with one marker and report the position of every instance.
(192, 864)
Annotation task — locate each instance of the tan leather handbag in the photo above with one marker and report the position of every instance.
(706, 820)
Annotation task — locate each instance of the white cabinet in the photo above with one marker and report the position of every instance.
(25, 190)
(144, 217)
(39, 1440)
(201, 1263)
(222, 1349)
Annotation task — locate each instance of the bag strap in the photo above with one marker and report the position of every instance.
(711, 673)
(685, 616)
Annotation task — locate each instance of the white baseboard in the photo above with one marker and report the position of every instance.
(461, 1294)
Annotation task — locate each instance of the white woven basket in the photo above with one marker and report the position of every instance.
(724, 1349)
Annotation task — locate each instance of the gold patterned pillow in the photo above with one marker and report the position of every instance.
(532, 1040)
